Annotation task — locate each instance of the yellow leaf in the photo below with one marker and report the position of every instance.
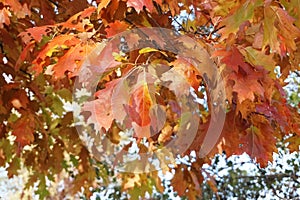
(243, 13)
(270, 31)
(147, 50)
(259, 58)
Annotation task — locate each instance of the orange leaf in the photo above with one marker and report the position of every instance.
(115, 28)
(101, 110)
(23, 129)
(270, 31)
(4, 17)
(62, 40)
(191, 74)
(140, 104)
(72, 60)
(102, 4)
(293, 143)
(182, 76)
(287, 30)
(18, 9)
(141, 131)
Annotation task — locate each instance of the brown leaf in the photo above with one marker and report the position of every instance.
(23, 129)
(178, 182)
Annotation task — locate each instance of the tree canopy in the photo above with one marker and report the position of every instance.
(107, 91)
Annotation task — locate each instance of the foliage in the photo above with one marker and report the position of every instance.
(45, 44)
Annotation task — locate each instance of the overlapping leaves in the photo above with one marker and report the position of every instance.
(249, 39)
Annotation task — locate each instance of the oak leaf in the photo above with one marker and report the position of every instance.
(115, 28)
(80, 20)
(287, 30)
(178, 182)
(100, 108)
(72, 60)
(232, 58)
(247, 84)
(259, 142)
(35, 33)
(238, 16)
(293, 8)
(57, 44)
(102, 4)
(4, 17)
(139, 4)
(23, 129)
(270, 36)
(259, 58)
(18, 9)
(139, 106)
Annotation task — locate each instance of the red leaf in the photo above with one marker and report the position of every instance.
(232, 58)
(139, 4)
(247, 83)
(36, 33)
(20, 99)
(259, 142)
(115, 28)
(24, 54)
(275, 112)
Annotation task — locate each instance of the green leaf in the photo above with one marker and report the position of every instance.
(65, 94)
(135, 193)
(13, 117)
(242, 14)
(42, 188)
(57, 106)
(74, 160)
(8, 149)
(259, 58)
(14, 166)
